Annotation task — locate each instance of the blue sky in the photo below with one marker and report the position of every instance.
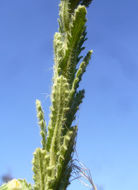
(108, 119)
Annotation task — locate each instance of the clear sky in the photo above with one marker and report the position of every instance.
(108, 119)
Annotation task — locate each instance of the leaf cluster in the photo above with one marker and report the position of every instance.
(52, 164)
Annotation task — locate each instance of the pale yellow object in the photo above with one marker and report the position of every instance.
(14, 185)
